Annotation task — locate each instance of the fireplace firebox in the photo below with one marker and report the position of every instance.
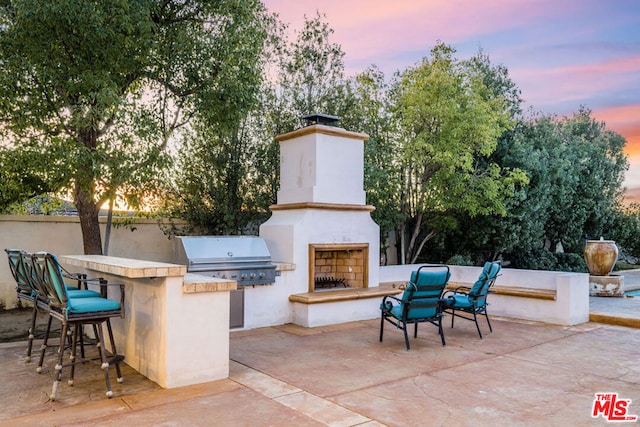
(338, 266)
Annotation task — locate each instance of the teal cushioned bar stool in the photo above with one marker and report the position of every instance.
(74, 313)
(24, 289)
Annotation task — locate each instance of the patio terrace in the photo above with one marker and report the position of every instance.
(524, 373)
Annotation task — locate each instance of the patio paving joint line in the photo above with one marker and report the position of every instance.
(297, 398)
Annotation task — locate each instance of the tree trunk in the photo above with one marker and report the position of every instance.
(88, 213)
(411, 249)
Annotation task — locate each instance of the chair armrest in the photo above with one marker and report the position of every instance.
(103, 293)
(104, 286)
(81, 278)
(456, 291)
(121, 299)
(386, 305)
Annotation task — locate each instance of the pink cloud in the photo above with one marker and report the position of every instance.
(623, 119)
(370, 30)
(626, 121)
(542, 86)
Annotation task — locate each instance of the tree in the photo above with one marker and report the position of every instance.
(218, 187)
(369, 112)
(447, 121)
(483, 237)
(96, 89)
(588, 180)
(228, 177)
(522, 229)
(312, 70)
(575, 169)
(16, 185)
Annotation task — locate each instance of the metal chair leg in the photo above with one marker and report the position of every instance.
(116, 358)
(475, 319)
(489, 323)
(406, 336)
(441, 331)
(72, 357)
(105, 363)
(58, 368)
(43, 347)
(32, 331)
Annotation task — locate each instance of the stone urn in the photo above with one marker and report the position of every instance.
(600, 256)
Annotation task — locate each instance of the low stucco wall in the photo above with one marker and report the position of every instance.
(142, 239)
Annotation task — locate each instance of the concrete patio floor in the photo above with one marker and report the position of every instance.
(523, 373)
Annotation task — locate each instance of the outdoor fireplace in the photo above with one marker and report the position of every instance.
(338, 266)
(321, 225)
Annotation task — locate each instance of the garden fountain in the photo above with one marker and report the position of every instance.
(601, 256)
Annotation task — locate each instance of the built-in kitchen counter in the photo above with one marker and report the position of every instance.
(176, 325)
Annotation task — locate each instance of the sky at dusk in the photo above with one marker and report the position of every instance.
(561, 53)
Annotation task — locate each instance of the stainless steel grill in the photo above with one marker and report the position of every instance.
(245, 259)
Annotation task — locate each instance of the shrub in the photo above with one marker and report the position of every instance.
(460, 260)
(535, 259)
(570, 262)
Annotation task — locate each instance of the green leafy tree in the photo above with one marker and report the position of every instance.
(16, 184)
(624, 228)
(590, 167)
(484, 237)
(447, 121)
(227, 178)
(369, 112)
(312, 70)
(523, 227)
(96, 89)
(575, 169)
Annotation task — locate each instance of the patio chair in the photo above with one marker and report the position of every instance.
(468, 303)
(420, 302)
(74, 313)
(41, 300)
(24, 289)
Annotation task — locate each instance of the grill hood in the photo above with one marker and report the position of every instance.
(245, 259)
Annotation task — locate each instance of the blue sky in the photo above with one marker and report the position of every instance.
(561, 53)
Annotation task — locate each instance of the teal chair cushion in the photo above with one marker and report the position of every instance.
(460, 301)
(396, 311)
(428, 277)
(82, 293)
(484, 276)
(421, 313)
(424, 278)
(489, 271)
(91, 304)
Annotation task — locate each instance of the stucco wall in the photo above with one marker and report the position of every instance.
(143, 239)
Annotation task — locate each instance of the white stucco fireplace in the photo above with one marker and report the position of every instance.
(321, 222)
